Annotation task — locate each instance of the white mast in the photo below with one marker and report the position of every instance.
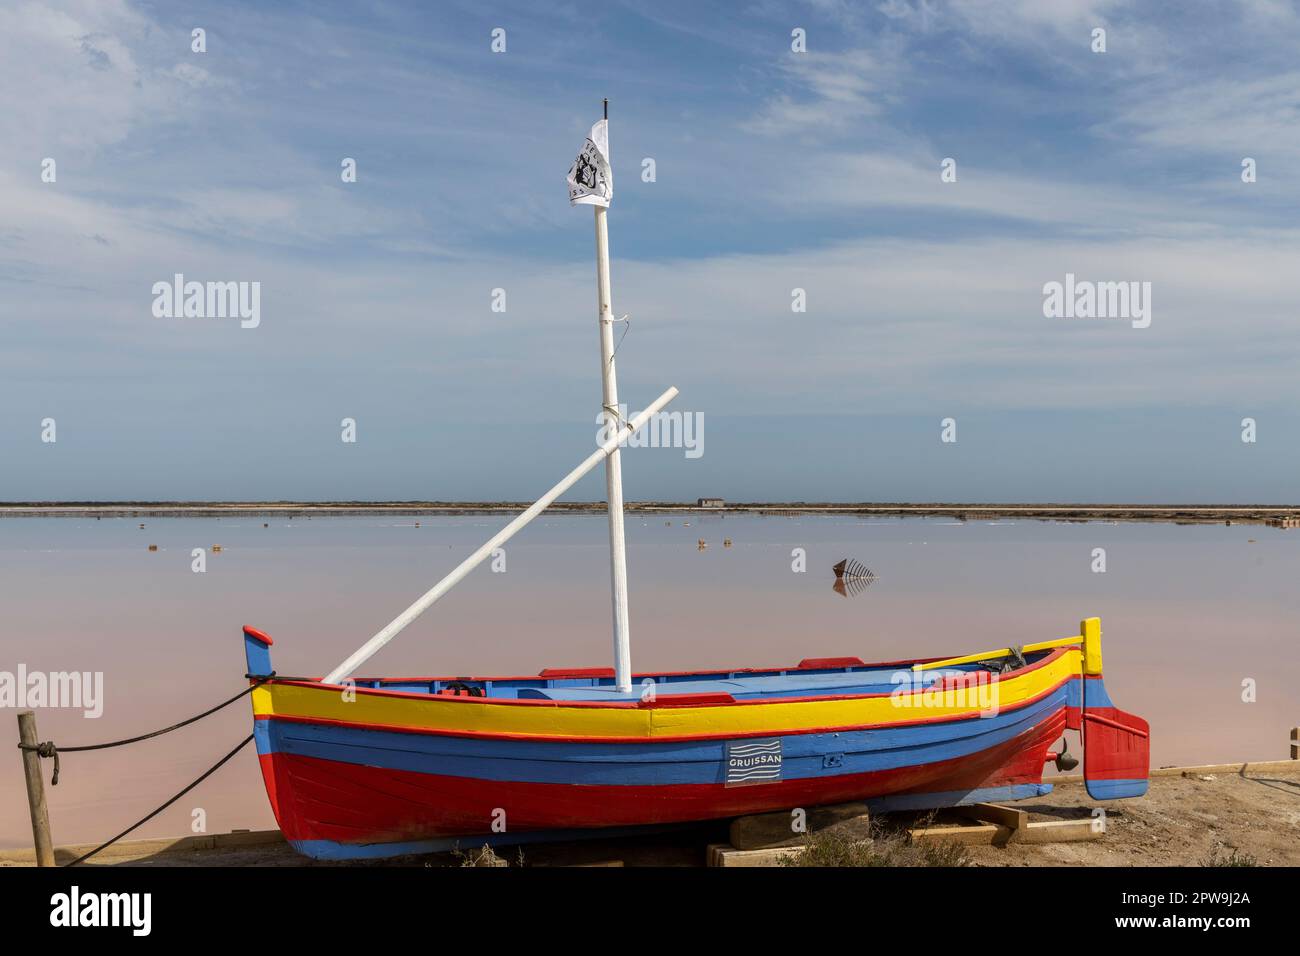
(596, 173)
(368, 649)
(613, 464)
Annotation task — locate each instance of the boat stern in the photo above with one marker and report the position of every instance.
(1116, 744)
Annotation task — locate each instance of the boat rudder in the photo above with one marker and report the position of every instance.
(1116, 744)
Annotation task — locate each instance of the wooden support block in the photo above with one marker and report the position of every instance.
(993, 834)
(1061, 831)
(1011, 817)
(982, 834)
(766, 830)
(723, 854)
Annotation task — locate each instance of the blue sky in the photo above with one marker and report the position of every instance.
(775, 170)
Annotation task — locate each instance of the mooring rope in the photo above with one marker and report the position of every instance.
(48, 749)
(207, 773)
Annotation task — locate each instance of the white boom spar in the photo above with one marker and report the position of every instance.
(395, 627)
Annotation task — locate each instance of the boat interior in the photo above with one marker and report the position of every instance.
(813, 677)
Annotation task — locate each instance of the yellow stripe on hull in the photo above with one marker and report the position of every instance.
(542, 719)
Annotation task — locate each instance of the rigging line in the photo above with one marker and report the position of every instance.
(627, 327)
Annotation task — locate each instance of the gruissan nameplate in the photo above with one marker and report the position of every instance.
(753, 761)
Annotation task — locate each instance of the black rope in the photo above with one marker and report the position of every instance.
(207, 773)
(48, 748)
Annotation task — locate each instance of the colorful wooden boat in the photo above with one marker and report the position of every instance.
(382, 767)
(407, 765)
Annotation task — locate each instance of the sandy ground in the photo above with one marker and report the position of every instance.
(1185, 820)
(1182, 821)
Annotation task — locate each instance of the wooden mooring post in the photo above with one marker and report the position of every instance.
(35, 789)
(1295, 743)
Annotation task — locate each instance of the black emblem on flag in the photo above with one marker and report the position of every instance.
(589, 174)
(586, 173)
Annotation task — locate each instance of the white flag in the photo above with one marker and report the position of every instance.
(590, 180)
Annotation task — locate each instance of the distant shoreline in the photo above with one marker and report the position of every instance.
(1277, 515)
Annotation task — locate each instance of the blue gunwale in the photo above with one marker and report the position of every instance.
(739, 684)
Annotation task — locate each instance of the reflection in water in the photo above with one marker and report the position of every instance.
(851, 578)
(84, 595)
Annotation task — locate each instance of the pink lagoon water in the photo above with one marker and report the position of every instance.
(1189, 613)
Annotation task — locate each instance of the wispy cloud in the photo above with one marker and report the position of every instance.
(837, 90)
(775, 170)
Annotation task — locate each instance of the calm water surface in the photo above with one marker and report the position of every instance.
(1189, 614)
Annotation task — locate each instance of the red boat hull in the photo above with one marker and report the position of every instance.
(328, 800)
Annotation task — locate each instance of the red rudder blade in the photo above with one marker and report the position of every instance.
(1116, 753)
